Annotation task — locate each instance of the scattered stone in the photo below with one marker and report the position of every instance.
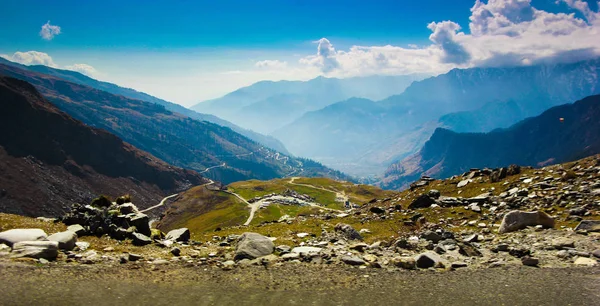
(134, 257)
(467, 249)
(306, 250)
(45, 219)
(283, 249)
(517, 220)
(422, 201)
(359, 247)
(82, 245)
(458, 264)
(175, 251)
(302, 235)
(77, 229)
(588, 226)
(66, 240)
(404, 262)
(562, 243)
(596, 253)
(253, 245)
(13, 236)
(377, 210)
(429, 260)
(128, 208)
(290, 256)
(179, 235)
(352, 260)
(108, 249)
(348, 231)
(529, 261)
(584, 261)
(228, 265)
(139, 239)
(463, 183)
(35, 249)
(431, 236)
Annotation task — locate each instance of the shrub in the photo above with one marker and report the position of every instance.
(124, 199)
(102, 201)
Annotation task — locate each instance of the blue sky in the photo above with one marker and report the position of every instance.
(188, 51)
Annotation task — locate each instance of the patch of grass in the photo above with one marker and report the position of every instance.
(9, 221)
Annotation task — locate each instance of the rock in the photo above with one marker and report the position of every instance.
(13, 236)
(139, 239)
(46, 219)
(348, 231)
(290, 256)
(433, 193)
(519, 252)
(377, 210)
(530, 261)
(77, 229)
(584, 261)
(283, 249)
(423, 201)
(513, 170)
(370, 258)
(588, 226)
(561, 243)
(35, 249)
(352, 260)
(596, 253)
(404, 262)
(134, 257)
(228, 265)
(82, 245)
(141, 223)
(359, 247)
(463, 183)
(175, 251)
(108, 249)
(458, 264)
(180, 234)
(306, 250)
(467, 249)
(66, 240)
(253, 245)
(127, 208)
(302, 235)
(431, 236)
(517, 220)
(429, 260)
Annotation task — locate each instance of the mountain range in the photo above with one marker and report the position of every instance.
(78, 78)
(562, 133)
(215, 151)
(49, 160)
(266, 106)
(363, 137)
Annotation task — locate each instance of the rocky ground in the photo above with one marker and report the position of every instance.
(526, 226)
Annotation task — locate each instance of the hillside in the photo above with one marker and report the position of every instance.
(76, 77)
(466, 100)
(536, 141)
(266, 106)
(49, 160)
(215, 151)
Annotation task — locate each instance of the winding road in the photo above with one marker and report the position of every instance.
(159, 204)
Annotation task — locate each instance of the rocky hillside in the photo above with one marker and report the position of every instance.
(342, 135)
(76, 77)
(560, 134)
(215, 151)
(49, 160)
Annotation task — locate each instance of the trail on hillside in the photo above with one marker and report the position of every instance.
(162, 202)
(338, 194)
(253, 206)
(209, 168)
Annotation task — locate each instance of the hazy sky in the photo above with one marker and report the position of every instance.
(190, 51)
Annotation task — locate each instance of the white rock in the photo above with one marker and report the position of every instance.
(306, 250)
(66, 240)
(35, 249)
(584, 261)
(13, 236)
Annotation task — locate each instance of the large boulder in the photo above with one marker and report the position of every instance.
(140, 239)
(78, 229)
(66, 240)
(589, 226)
(348, 231)
(141, 223)
(517, 220)
(253, 245)
(13, 236)
(180, 234)
(423, 201)
(35, 249)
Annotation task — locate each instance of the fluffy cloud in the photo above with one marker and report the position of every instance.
(502, 33)
(82, 68)
(41, 58)
(48, 31)
(31, 58)
(271, 64)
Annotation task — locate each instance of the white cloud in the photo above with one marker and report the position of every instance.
(82, 68)
(41, 58)
(31, 58)
(48, 31)
(271, 64)
(502, 32)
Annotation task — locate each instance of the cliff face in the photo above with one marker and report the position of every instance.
(49, 160)
(560, 134)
